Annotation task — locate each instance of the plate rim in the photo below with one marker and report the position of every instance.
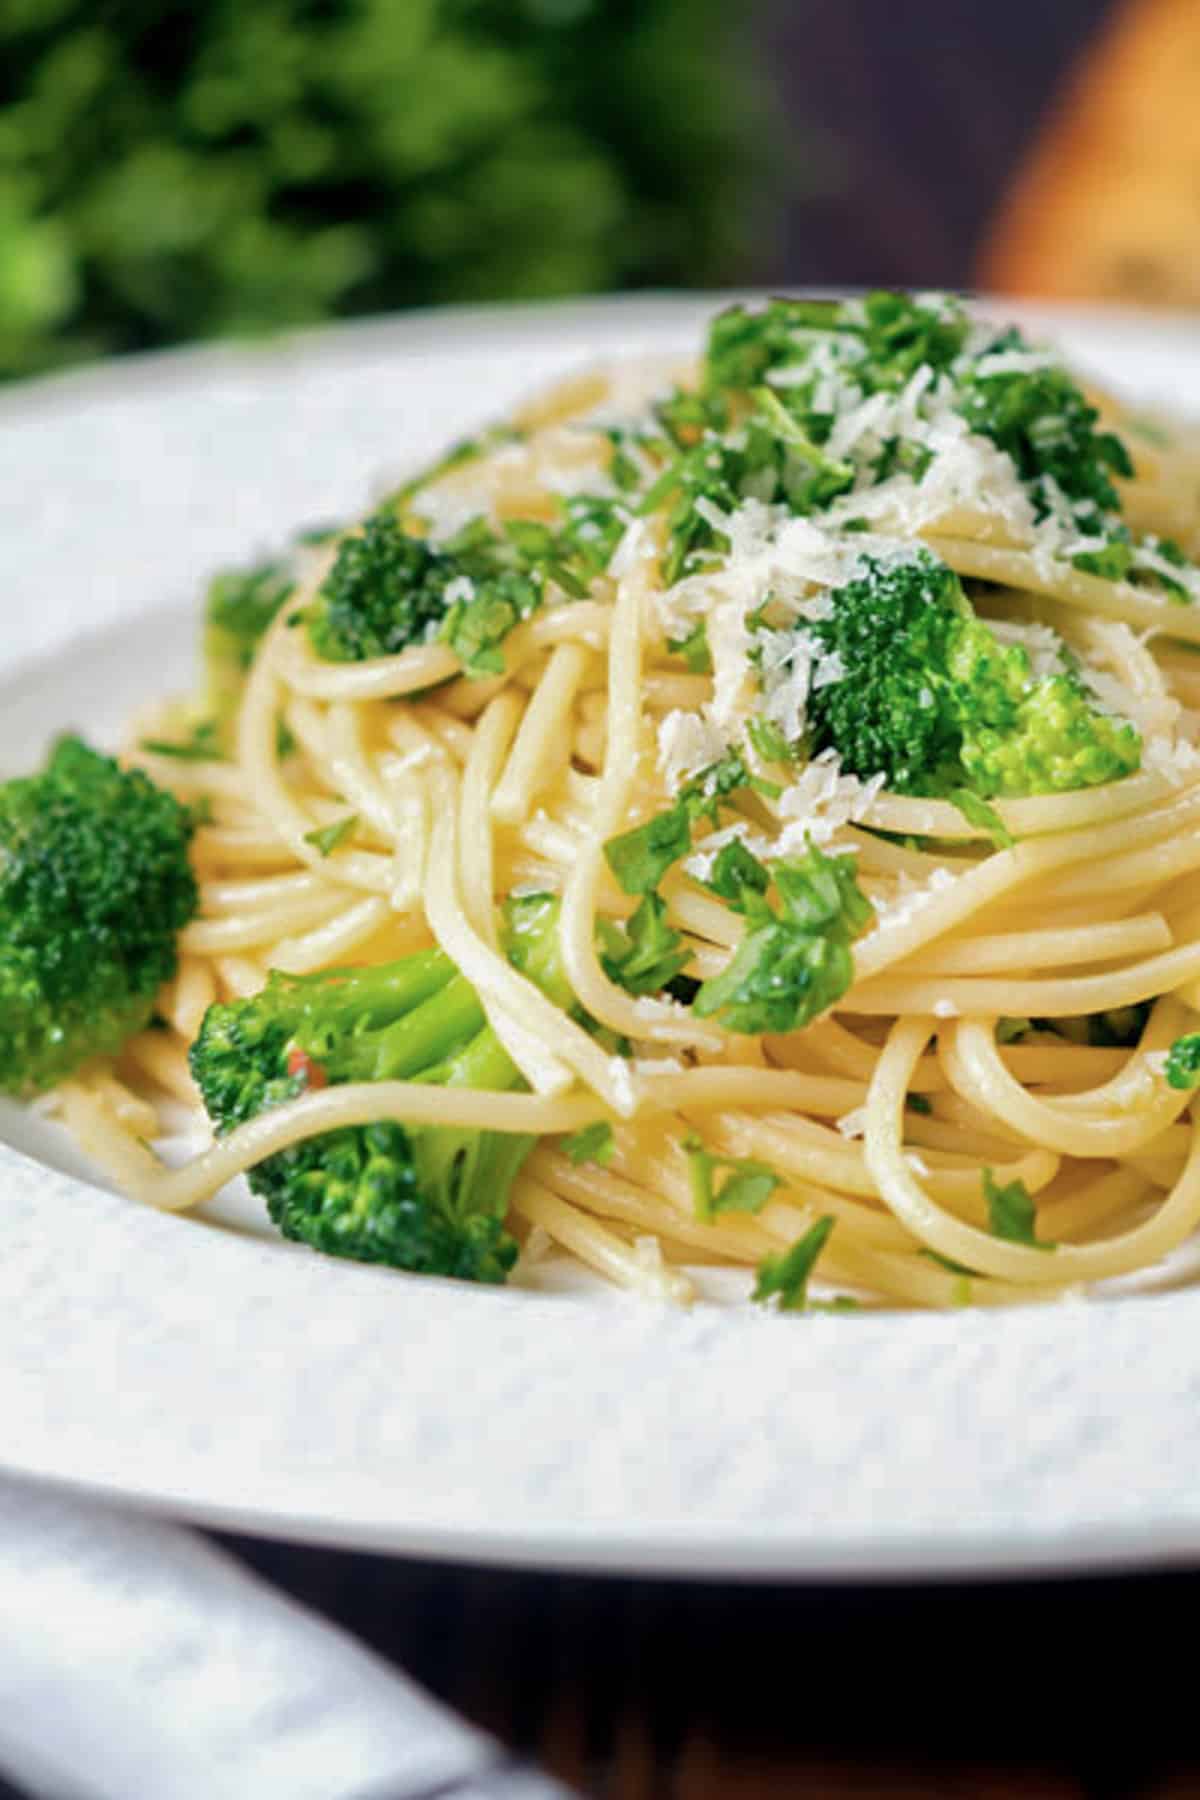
(1075, 1535)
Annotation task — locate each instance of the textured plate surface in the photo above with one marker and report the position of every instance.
(220, 1374)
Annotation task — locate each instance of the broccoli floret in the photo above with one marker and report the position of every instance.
(1057, 742)
(934, 702)
(238, 607)
(889, 627)
(385, 591)
(388, 590)
(94, 885)
(430, 1199)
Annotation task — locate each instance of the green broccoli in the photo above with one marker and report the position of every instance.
(889, 627)
(95, 883)
(931, 699)
(385, 591)
(431, 1199)
(1058, 741)
(388, 590)
(238, 607)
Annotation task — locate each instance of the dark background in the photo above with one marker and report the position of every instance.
(172, 169)
(682, 1691)
(904, 121)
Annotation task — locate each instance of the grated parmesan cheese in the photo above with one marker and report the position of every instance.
(623, 1088)
(820, 801)
(461, 588)
(636, 545)
(687, 743)
(911, 897)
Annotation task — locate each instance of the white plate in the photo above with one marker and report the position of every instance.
(228, 1377)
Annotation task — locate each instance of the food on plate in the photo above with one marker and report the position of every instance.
(737, 814)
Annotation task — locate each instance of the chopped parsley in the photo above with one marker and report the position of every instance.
(645, 954)
(983, 817)
(1011, 1212)
(746, 1187)
(795, 960)
(591, 1143)
(783, 1279)
(693, 647)
(202, 744)
(326, 838)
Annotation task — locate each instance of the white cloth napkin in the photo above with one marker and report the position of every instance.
(138, 1662)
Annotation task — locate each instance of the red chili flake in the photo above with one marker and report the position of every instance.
(299, 1062)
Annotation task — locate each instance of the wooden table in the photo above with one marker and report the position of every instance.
(657, 1690)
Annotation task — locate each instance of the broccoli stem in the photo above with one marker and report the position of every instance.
(427, 1035)
(361, 998)
(429, 1198)
(484, 1063)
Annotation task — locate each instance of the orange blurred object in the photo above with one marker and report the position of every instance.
(1106, 204)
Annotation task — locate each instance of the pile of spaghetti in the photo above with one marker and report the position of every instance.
(773, 778)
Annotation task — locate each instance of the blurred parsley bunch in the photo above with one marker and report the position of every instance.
(172, 170)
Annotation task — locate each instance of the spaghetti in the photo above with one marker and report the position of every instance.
(378, 805)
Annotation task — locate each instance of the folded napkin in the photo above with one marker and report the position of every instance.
(137, 1662)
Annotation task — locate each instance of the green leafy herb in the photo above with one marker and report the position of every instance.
(1183, 1061)
(747, 1185)
(707, 792)
(693, 647)
(919, 1103)
(1113, 562)
(1011, 1212)
(795, 960)
(768, 741)
(326, 838)
(736, 871)
(946, 1262)
(645, 953)
(784, 1278)
(825, 477)
(640, 858)
(201, 745)
(239, 605)
(591, 1143)
(983, 817)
